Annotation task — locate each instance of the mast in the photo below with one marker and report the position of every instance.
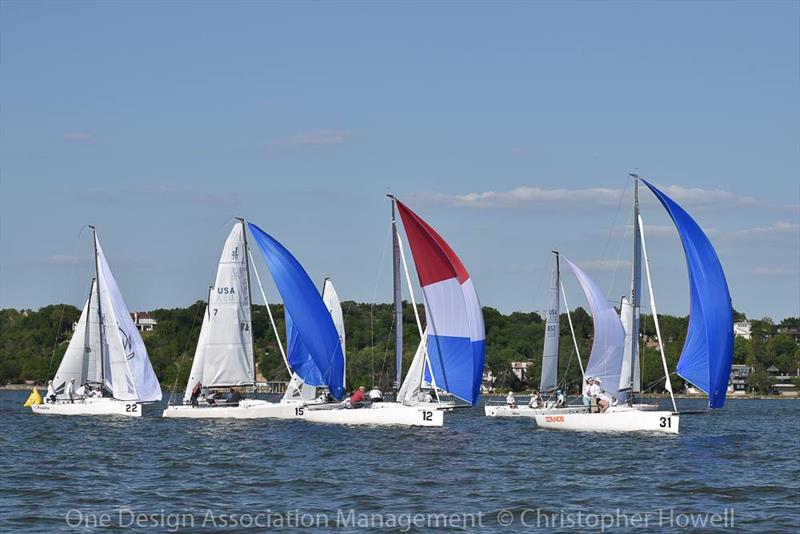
(398, 302)
(249, 296)
(87, 346)
(99, 308)
(636, 287)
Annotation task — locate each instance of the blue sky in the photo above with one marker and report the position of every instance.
(510, 127)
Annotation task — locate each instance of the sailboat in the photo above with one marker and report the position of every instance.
(549, 376)
(707, 353)
(224, 356)
(449, 359)
(106, 355)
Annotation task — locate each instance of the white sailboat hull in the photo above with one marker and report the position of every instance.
(91, 406)
(381, 414)
(247, 409)
(623, 419)
(501, 410)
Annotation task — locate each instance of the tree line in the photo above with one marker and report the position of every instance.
(32, 344)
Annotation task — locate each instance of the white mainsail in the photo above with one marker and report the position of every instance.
(331, 300)
(409, 391)
(129, 374)
(551, 335)
(224, 355)
(81, 360)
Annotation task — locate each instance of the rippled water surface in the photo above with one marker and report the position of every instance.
(745, 458)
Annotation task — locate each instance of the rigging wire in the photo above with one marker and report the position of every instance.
(70, 285)
(372, 307)
(183, 355)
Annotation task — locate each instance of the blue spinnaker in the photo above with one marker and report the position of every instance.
(300, 359)
(309, 315)
(707, 354)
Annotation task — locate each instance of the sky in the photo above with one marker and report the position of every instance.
(510, 127)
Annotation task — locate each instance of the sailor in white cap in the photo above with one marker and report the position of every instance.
(587, 397)
(71, 390)
(51, 391)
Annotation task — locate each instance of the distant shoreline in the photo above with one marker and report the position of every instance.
(28, 387)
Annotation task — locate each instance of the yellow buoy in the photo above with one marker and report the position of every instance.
(35, 398)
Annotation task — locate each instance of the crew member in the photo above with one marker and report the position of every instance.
(233, 397)
(560, 400)
(357, 398)
(51, 391)
(71, 390)
(587, 396)
(196, 393)
(375, 395)
(511, 402)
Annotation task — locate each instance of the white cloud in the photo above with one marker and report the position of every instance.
(529, 197)
(318, 137)
(77, 136)
(596, 197)
(779, 230)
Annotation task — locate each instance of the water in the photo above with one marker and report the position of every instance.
(54, 469)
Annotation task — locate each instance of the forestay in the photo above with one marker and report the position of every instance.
(707, 353)
(303, 303)
(605, 361)
(224, 354)
(456, 336)
(129, 374)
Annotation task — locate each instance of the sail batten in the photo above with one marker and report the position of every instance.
(707, 354)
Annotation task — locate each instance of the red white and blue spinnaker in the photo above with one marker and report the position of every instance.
(456, 334)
